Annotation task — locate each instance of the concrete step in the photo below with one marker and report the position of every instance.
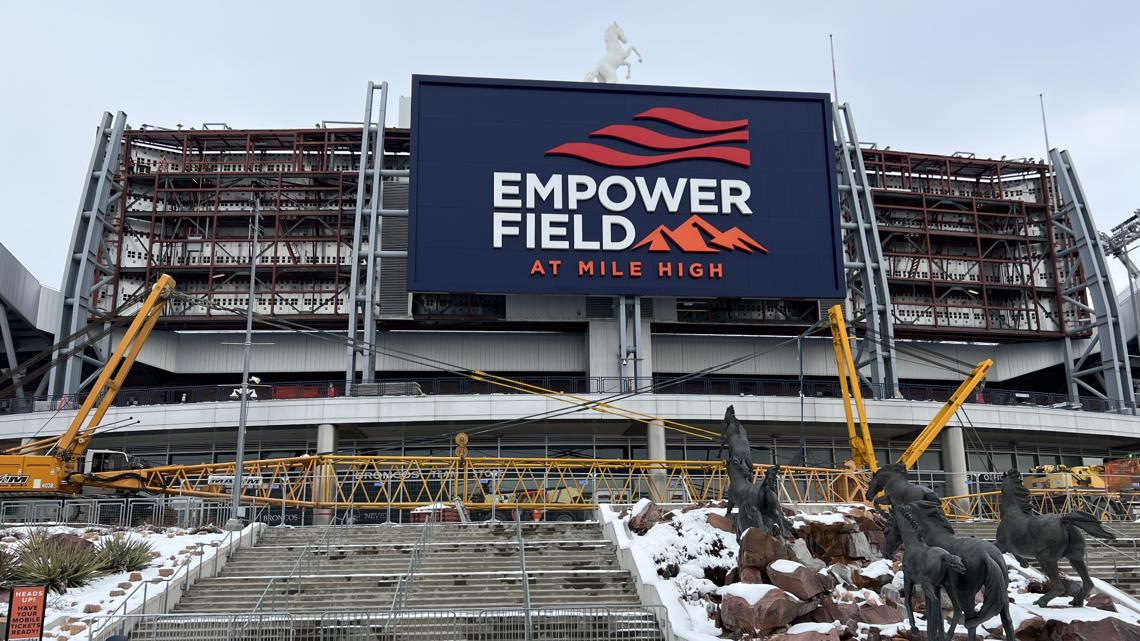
(416, 626)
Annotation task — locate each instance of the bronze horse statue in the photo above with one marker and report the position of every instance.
(891, 480)
(984, 565)
(734, 438)
(757, 504)
(931, 567)
(1046, 537)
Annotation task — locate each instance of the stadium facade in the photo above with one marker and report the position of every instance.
(946, 259)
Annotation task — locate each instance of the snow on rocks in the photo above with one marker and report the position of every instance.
(829, 583)
(69, 614)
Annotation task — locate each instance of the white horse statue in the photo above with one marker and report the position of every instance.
(616, 56)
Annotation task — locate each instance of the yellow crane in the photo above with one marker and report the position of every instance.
(858, 433)
(52, 465)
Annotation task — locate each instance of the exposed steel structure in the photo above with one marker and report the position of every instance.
(187, 210)
(970, 246)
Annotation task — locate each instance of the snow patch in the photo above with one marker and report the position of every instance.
(750, 592)
(880, 569)
(784, 566)
(822, 628)
(639, 507)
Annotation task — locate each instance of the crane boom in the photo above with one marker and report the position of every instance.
(945, 413)
(48, 464)
(862, 451)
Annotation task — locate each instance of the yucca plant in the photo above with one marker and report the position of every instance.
(7, 568)
(124, 554)
(55, 562)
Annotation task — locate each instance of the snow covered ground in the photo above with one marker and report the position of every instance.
(69, 614)
(683, 560)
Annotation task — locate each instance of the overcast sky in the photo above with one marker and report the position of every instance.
(931, 77)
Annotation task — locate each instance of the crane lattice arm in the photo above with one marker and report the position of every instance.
(945, 413)
(862, 451)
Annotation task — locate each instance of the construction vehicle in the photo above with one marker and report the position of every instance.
(1064, 477)
(858, 433)
(55, 465)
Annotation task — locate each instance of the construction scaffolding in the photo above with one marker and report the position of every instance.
(188, 206)
(970, 247)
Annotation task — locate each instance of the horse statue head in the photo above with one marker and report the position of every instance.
(1014, 491)
(928, 515)
(614, 32)
(772, 477)
(882, 476)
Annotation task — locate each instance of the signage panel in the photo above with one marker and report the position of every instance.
(577, 188)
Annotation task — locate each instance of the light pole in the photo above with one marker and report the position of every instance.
(237, 512)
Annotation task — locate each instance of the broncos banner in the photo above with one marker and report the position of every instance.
(576, 188)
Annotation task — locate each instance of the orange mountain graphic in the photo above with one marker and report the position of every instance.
(690, 237)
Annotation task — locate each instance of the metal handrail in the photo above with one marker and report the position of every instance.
(406, 583)
(302, 568)
(525, 576)
(183, 569)
(732, 386)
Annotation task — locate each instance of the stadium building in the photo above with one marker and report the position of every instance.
(942, 261)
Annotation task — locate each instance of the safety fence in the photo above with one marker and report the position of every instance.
(458, 385)
(986, 506)
(186, 513)
(613, 623)
(480, 484)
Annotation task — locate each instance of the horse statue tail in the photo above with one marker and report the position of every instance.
(1088, 523)
(997, 594)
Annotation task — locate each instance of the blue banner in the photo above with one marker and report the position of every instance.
(577, 188)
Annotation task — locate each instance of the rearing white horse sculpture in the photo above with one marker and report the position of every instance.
(616, 56)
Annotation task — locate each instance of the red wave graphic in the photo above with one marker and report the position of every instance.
(613, 158)
(689, 237)
(688, 120)
(656, 140)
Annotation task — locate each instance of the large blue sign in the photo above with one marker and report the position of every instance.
(575, 188)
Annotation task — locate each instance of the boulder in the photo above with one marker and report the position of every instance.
(801, 554)
(757, 609)
(794, 578)
(828, 540)
(858, 547)
(842, 573)
(1101, 601)
(877, 539)
(750, 574)
(70, 539)
(649, 516)
(808, 632)
(699, 505)
(878, 614)
(733, 576)
(722, 523)
(1030, 629)
(828, 611)
(864, 520)
(1107, 629)
(759, 548)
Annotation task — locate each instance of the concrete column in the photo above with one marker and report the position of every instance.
(655, 437)
(954, 461)
(324, 483)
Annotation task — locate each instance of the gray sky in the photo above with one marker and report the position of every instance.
(931, 77)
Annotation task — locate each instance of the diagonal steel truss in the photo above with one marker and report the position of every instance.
(868, 296)
(1111, 373)
(89, 266)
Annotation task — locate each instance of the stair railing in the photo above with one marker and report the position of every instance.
(522, 569)
(307, 564)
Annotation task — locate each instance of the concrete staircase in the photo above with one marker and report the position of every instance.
(1117, 562)
(473, 568)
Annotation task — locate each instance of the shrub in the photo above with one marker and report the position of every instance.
(7, 568)
(55, 562)
(124, 554)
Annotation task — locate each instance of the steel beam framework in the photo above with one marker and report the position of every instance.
(1108, 376)
(89, 266)
(367, 251)
(869, 297)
